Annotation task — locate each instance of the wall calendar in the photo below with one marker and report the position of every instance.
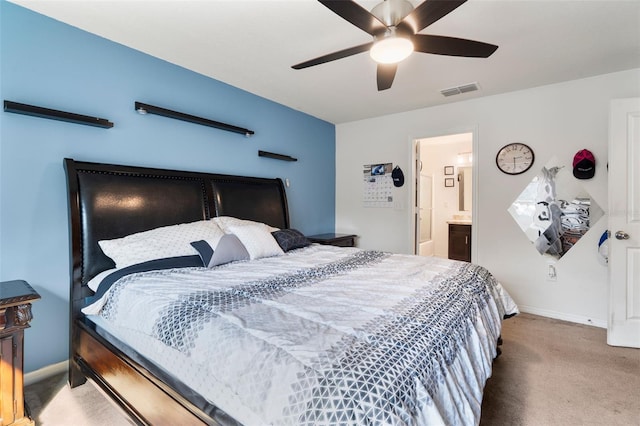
(378, 185)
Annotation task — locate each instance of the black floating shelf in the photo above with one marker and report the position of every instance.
(54, 114)
(276, 156)
(151, 109)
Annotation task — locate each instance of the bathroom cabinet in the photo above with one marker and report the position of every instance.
(460, 242)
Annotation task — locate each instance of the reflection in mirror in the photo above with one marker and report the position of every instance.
(464, 188)
(554, 210)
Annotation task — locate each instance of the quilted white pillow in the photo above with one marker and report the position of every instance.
(256, 238)
(225, 221)
(159, 243)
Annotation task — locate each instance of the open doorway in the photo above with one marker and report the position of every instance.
(444, 193)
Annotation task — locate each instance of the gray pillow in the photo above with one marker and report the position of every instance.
(229, 249)
(290, 239)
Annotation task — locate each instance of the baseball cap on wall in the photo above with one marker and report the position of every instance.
(397, 176)
(584, 164)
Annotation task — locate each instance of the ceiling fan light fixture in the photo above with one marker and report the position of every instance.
(391, 50)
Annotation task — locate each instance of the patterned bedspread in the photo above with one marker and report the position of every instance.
(320, 335)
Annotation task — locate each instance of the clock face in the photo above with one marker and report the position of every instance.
(514, 158)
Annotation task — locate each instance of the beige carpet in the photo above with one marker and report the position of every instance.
(558, 373)
(52, 403)
(550, 373)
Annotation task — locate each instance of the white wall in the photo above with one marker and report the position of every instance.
(555, 120)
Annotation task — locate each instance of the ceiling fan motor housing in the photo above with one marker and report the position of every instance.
(391, 12)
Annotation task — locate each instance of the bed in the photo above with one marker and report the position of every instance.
(209, 309)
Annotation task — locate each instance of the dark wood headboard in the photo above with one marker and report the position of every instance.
(109, 201)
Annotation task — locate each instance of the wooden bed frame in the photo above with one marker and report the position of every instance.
(110, 201)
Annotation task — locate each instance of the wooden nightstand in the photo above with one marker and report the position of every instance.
(332, 239)
(15, 313)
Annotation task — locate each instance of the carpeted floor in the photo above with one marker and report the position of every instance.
(554, 372)
(550, 373)
(52, 403)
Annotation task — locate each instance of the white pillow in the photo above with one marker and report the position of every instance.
(159, 243)
(225, 221)
(257, 239)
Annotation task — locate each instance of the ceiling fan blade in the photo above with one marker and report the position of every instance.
(333, 56)
(452, 46)
(427, 13)
(356, 14)
(386, 74)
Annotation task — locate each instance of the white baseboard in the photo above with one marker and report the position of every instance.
(579, 319)
(45, 372)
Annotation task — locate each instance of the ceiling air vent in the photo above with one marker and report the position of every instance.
(471, 87)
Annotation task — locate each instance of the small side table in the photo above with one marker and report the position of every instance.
(333, 239)
(15, 313)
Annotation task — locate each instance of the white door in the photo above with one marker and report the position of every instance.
(416, 207)
(425, 212)
(624, 223)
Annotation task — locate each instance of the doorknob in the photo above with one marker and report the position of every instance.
(621, 235)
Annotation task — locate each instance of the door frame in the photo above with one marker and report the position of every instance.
(414, 181)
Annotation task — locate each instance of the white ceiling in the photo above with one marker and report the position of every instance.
(251, 44)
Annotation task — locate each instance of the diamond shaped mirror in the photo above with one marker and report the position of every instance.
(554, 210)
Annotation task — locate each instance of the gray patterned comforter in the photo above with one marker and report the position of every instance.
(321, 335)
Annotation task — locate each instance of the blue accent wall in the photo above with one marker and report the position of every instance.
(47, 63)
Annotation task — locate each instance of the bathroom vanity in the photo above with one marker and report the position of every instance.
(460, 240)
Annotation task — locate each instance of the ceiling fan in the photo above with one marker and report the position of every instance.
(394, 25)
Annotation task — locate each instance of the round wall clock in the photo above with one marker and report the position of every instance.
(514, 158)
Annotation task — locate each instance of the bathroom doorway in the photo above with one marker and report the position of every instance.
(444, 190)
